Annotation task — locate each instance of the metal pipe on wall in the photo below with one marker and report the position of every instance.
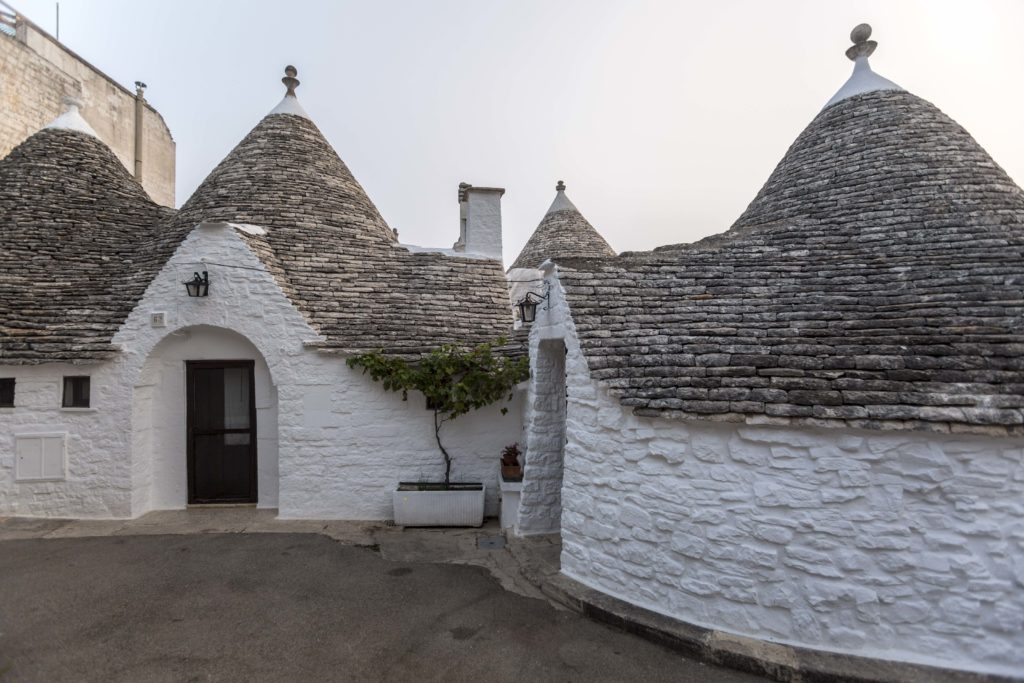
(140, 102)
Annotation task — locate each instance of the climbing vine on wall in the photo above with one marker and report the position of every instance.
(453, 380)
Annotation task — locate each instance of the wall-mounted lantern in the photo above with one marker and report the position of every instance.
(199, 285)
(528, 304)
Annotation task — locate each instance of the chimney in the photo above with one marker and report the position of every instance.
(140, 103)
(480, 221)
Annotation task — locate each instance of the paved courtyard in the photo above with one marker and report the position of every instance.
(289, 606)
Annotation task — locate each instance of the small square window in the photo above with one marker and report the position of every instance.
(76, 392)
(6, 392)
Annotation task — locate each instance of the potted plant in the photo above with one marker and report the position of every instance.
(511, 470)
(454, 381)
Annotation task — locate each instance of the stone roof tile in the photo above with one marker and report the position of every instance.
(562, 233)
(877, 279)
(335, 257)
(71, 221)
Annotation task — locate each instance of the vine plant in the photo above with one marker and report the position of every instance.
(453, 380)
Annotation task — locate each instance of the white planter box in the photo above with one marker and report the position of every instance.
(440, 508)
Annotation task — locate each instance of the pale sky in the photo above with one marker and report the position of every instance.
(664, 118)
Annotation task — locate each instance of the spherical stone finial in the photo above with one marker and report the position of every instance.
(862, 47)
(560, 187)
(290, 81)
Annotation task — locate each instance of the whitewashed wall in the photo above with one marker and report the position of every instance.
(343, 443)
(98, 480)
(896, 545)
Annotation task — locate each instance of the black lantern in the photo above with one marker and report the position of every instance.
(199, 285)
(528, 306)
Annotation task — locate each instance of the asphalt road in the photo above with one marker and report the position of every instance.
(291, 607)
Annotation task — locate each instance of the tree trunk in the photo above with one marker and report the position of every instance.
(447, 458)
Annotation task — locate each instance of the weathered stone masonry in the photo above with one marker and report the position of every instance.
(541, 503)
(903, 546)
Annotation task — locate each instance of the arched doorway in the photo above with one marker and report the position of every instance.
(204, 423)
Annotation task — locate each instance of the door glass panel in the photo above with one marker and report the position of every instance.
(236, 398)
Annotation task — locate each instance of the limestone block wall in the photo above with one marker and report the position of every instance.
(905, 546)
(38, 72)
(540, 507)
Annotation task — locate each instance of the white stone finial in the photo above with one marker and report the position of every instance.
(863, 79)
(561, 202)
(72, 119)
(290, 103)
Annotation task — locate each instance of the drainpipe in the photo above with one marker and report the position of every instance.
(140, 102)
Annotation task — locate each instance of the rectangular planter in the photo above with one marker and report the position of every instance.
(462, 505)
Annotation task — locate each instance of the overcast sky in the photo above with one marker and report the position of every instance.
(663, 117)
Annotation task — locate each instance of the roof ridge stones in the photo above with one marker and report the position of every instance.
(563, 232)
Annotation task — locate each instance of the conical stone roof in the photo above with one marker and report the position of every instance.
(285, 174)
(562, 233)
(331, 251)
(71, 223)
(877, 279)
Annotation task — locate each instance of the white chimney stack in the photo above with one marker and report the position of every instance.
(480, 224)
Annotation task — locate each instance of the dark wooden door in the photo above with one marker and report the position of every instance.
(221, 432)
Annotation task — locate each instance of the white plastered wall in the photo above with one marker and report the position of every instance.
(896, 545)
(97, 480)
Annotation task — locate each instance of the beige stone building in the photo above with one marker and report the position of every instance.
(38, 72)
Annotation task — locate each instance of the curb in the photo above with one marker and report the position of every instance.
(785, 663)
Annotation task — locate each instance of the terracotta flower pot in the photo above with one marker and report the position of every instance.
(512, 472)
